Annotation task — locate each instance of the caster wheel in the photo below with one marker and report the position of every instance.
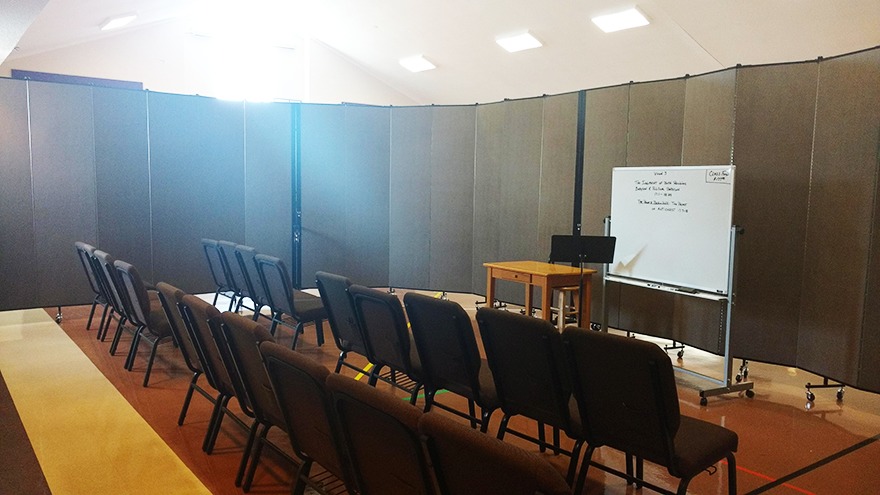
(595, 326)
(704, 401)
(739, 378)
(811, 396)
(750, 394)
(58, 319)
(808, 405)
(840, 395)
(681, 354)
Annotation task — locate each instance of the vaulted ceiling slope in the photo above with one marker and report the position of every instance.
(458, 36)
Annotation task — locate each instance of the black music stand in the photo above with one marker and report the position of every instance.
(580, 249)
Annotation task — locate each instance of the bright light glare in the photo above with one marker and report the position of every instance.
(621, 20)
(417, 63)
(118, 22)
(520, 42)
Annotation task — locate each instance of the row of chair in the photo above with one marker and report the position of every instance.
(368, 440)
(600, 389)
(377, 444)
(240, 273)
(122, 293)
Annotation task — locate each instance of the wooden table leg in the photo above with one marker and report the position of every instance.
(546, 295)
(490, 288)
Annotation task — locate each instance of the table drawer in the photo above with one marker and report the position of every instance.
(523, 278)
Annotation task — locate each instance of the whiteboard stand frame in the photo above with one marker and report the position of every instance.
(726, 386)
(603, 323)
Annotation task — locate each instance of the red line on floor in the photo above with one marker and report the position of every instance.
(768, 478)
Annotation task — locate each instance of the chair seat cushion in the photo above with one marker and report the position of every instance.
(308, 307)
(699, 444)
(158, 324)
(488, 398)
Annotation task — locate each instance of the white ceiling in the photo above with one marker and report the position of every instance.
(684, 37)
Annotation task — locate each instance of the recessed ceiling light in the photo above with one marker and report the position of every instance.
(117, 22)
(417, 63)
(621, 20)
(518, 42)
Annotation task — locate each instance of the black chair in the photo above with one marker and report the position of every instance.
(380, 436)
(244, 257)
(627, 398)
(299, 384)
(285, 300)
(242, 338)
(145, 312)
(198, 315)
(531, 377)
(169, 296)
(450, 358)
(118, 302)
(86, 253)
(342, 318)
(389, 343)
(236, 275)
(219, 272)
(466, 462)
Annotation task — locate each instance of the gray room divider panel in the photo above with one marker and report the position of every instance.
(656, 123)
(368, 157)
(197, 177)
(558, 152)
(123, 176)
(605, 128)
(843, 196)
(410, 200)
(268, 212)
(772, 146)
(17, 260)
(604, 149)
(452, 197)
(345, 191)
(324, 195)
(507, 188)
(63, 160)
(708, 119)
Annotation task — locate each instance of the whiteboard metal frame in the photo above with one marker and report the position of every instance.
(725, 385)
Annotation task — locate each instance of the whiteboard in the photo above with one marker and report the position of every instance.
(673, 225)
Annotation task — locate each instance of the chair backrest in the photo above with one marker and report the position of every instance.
(86, 252)
(626, 392)
(219, 272)
(276, 283)
(340, 312)
(168, 296)
(527, 363)
(233, 269)
(379, 432)
(243, 336)
(196, 314)
(299, 384)
(446, 343)
(112, 282)
(383, 325)
(135, 292)
(244, 257)
(467, 462)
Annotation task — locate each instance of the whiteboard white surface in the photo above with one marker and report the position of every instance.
(673, 225)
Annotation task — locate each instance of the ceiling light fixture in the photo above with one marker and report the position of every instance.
(519, 42)
(117, 22)
(417, 63)
(621, 20)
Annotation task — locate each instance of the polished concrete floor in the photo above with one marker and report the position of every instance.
(785, 447)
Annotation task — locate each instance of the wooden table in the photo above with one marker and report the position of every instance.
(547, 276)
